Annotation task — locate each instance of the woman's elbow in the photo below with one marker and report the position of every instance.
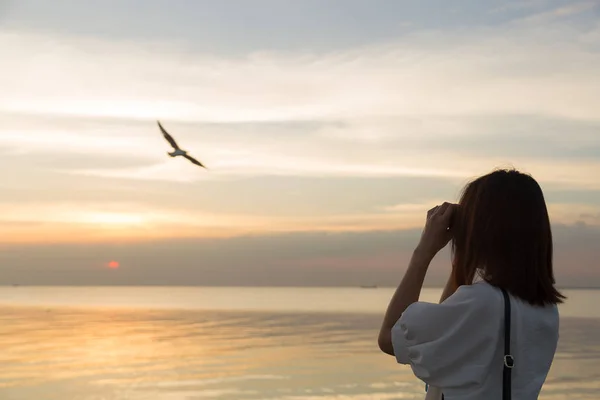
(385, 342)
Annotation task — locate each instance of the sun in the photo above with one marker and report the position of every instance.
(113, 264)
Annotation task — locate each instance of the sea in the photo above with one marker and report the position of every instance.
(235, 343)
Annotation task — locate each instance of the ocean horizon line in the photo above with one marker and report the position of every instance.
(364, 286)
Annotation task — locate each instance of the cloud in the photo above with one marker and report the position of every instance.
(519, 5)
(377, 129)
(422, 74)
(411, 208)
(562, 11)
(571, 213)
(105, 212)
(454, 148)
(105, 222)
(371, 111)
(301, 258)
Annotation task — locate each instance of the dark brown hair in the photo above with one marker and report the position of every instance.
(502, 233)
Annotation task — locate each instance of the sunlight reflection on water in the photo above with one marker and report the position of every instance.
(93, 353)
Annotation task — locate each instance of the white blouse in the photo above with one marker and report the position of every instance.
(458, 345)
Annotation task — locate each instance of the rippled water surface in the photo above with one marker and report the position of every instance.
(233, 343)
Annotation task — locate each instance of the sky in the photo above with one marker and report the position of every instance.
(329, 129)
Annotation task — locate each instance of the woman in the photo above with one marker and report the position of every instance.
(501, 241)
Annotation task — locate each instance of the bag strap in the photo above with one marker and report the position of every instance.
(509, 361)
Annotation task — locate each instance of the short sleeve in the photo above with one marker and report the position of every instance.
(453, 343)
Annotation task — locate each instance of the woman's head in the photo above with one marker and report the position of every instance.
(502, 233)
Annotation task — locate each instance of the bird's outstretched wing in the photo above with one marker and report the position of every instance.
(194, 161)
(168, 137)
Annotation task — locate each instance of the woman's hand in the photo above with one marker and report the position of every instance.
(436, 233)
(435, 236)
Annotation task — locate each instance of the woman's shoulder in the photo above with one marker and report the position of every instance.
(478, 301)
(479, 288)
(486, 299)
(479, 295)
(431, 336)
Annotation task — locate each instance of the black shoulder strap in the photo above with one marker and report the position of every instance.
(509, 361)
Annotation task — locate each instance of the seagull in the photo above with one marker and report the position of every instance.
(177, 151)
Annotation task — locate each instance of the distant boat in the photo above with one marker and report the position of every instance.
(369, 286)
